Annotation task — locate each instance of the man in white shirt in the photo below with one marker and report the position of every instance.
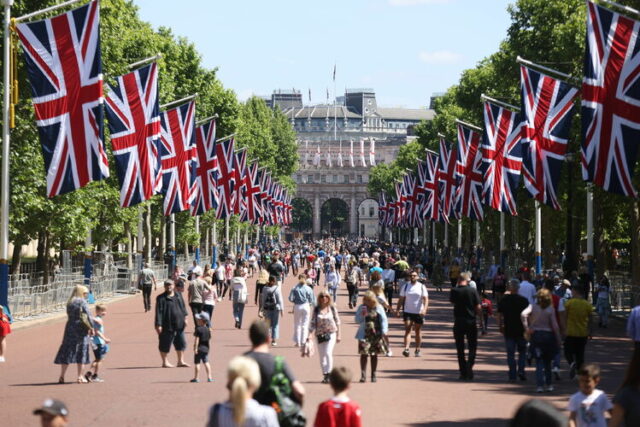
(527, 289)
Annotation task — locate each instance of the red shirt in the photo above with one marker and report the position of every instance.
(334, 413)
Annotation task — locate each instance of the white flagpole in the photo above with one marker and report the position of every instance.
(538, 238)
(41, 11)
(6, 136)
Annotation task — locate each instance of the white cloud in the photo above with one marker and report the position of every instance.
(439, 57)
(415, 2)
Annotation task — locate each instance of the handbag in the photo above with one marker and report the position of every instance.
(84, 321)
(323, 338)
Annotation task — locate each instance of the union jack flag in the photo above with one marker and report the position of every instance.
(547, 106)
(65, 70)
(469, 171)
(447, 178)
(383, 209)
(205, 195)
(178, 156)
(225, 178)
(241, 178)
(253, 211)
(610, 100)
(400, 206)
(134, 122)
(410, 200)
(502, 157)
(428, 178)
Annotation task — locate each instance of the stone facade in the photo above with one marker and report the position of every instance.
(330, 129)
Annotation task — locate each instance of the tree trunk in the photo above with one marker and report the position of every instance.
(127, 229)
(635, 245)
(41, 257)
(571, 262)
(148, 241)
(16, 258)
(163, 238)
(46, 267)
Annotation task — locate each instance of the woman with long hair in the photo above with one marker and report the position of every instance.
(243, 379)
(542, 327)
(325, 324)
(271, 308)
(626, 403)
(372, 328)
(75, 342)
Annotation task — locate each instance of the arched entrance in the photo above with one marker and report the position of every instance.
(334, 218)
(302, 216)
(368, 218)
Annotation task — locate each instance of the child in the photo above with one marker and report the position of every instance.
(588, 406)
(340, 410)
(100, 344)
(201, 346)
(5, 329)
(487, 311)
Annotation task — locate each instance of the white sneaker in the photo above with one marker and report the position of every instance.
(1, 358)
(548, 388)
(539, 390)
(389, 353)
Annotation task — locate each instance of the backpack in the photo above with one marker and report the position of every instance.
(270, 301)
(289, 412)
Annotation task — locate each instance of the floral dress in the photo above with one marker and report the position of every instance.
(372, 344)
(75, 343)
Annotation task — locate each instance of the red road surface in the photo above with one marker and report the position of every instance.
(410, 391)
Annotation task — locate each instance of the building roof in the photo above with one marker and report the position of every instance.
(405, 113)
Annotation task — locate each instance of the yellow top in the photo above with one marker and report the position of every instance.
(578, 311)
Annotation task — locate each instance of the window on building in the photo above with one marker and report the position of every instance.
(359, 179)
(345, 179)
(323, 178)
(310, 179)
(361, 211)
(371, 211)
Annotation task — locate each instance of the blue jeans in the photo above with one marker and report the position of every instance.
(334, 293)
(238, 311)
(273, 317)
(544, 350)
(513, 344)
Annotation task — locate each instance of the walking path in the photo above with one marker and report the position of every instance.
(410, 391)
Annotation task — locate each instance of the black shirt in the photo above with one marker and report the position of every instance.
(267, 364)
(464, 299)
(170, 312)
(511, 306)
(276, 269)
(203, 335)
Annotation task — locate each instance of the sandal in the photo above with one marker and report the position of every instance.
(61, 380)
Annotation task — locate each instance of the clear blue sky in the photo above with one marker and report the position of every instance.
(404, 49)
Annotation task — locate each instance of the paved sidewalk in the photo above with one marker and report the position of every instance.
(410, 391)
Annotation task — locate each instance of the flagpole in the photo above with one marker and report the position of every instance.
(502, 249)
(41, 11)
(538, 242)
(172, 242)
(214, 261)
(459, 235)
(140, 239)
(198, 245)
(179, 101)
(199, 122)
(6, 135)
(226, 234)
(484, 97)
(527, 63)
(590, 245)
(145, 61)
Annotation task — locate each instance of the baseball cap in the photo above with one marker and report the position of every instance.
(52, 407)
(566, 283)
(203, 316)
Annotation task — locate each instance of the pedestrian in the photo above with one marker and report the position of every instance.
(578, 313)
(53, 413)
(499, 284)
(147, 282)
(303, 300)
(170, 322)
(272, 308)
(75, 342)
(220, 280)
(527, 289)
(544, 334)
(389, 278)
(325, 324)
(626, 403)
(276, 268)
(240, 296)
(195, 292)
(202, 336)
(259, 334)
(587, 407)
(353, 277)
(209, 297)
(195, 268)
(332, 281)
(414, 302)
(229, 268)
(603, 301)
(466, 311)
(633, 327)
(5, 330)
(487, 311)
(243, 379)
(340, 410)
(261, 281)
(454, 272)
(100, 344)
(372, 327)
(510, 309)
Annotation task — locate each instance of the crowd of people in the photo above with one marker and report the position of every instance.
(540, 316)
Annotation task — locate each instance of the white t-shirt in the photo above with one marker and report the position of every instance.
(528, 290)
(590, 409)
(413, 296)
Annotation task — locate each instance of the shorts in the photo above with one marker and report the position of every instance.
(200, 358)
(166, 338)
(412, 317)
(99, 350)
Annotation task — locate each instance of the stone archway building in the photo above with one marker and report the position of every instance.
(328, 130)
